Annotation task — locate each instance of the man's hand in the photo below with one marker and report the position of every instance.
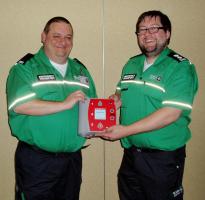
(116, 99)
(113, 133)
(73, 98)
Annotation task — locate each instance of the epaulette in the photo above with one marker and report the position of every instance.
(23, 60)
(79, 62)
(176, 56)
(135, 56)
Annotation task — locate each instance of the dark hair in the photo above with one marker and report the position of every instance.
(53, 20)
(155, 13)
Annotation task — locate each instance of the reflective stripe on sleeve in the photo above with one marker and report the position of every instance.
(21, 99)
(177, 103)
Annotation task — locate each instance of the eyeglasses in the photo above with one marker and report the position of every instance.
(151, 30)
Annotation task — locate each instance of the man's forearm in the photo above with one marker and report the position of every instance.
(39, 107)
(157, 120)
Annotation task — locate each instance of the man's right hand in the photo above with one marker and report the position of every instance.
(73, 98)
(116, 98)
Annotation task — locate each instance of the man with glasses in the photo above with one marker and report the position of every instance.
(155, 96)
(43, 91)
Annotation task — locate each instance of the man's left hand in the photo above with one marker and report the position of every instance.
(113, 133)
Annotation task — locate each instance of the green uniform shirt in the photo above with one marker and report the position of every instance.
(36, 78)
(170, 82)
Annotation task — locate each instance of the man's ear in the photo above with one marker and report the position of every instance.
(168, 34)
(43, 37)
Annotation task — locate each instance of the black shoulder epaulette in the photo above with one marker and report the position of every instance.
(27, 57)
(135, 56)
(79, 62)
(176, 56)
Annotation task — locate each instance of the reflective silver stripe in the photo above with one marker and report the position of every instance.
(136, 82)
(177, 103)
(21, 99)
(76, 83)
(118, 88)
(59, 83)
(146, 83)
(155, 86)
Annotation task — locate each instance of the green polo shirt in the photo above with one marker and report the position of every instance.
(170, 82)
(35, 78)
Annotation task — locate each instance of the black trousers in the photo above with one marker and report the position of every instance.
(42, 175)
(147, 174)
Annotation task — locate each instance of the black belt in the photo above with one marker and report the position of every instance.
(37, 149)
(147, 150)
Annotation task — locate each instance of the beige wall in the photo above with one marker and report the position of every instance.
(104, 39)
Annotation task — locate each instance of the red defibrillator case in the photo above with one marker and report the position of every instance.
(96, 115)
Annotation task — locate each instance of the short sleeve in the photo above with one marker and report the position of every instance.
(19, 86)
(181, 87)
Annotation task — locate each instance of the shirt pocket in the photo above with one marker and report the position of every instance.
(129, 98)
(49, 92)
